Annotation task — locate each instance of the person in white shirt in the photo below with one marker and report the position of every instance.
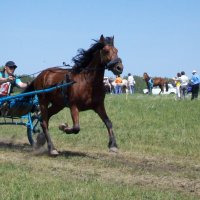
(131, 84)
(184, 84)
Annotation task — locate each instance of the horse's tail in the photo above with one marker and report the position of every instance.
(166, 85)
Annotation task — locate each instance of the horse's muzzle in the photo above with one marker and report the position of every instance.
(115, 66)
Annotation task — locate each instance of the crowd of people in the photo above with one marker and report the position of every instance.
(184, 85)
(129, 84)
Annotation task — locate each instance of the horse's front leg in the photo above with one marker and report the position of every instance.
(112, 145)
(75, 118)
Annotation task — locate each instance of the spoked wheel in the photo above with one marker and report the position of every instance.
(35, 134)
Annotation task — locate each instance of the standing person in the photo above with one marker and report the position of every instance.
(131, 84)
(8, 80)
(184, 84)
(195, 80)
(177, 81)
(107, 85)
(118, 86)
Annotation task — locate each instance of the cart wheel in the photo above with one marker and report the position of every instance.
(35, 136)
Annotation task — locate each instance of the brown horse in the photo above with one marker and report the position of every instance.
(158, 81)
(86, 93)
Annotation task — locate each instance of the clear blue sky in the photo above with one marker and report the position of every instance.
(161, 37)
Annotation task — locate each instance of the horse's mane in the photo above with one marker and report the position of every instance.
(145, 73)
(83, 58)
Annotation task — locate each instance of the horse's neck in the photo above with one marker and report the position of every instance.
(96, 71)
(95, 77)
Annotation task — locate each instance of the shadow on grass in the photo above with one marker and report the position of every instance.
(18, 147)
(68, 154)
(27, 148)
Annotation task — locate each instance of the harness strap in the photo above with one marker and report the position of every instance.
(63, 90)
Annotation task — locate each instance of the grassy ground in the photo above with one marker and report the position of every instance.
(159, 156)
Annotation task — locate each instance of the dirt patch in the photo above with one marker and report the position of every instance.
(152, 172)
(176, 174)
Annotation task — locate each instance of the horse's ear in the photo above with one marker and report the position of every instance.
(101, 39)
(113, 40)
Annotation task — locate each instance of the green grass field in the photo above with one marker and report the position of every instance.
(159, 154)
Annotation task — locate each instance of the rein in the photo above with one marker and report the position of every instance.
(65, 65)
(108, 66)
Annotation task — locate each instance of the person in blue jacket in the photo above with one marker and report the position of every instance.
(195, 81)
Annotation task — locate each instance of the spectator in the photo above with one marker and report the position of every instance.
(131, 84)
(195, 80)
(107, 85)
(177, 81)
(118, 86)
(184, 84)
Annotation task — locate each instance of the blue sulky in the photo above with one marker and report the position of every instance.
(17, 110)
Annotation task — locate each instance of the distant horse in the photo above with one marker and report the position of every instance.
(158, 81)
(87, 92)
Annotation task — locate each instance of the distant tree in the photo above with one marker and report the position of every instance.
(140, 84)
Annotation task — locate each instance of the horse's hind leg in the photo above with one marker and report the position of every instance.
(112, 145)
(75, 118)
(161, 89)
(44, 125)
(51, 148)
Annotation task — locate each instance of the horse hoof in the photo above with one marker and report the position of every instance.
(113, 150)
(54, 153)
(62, 127)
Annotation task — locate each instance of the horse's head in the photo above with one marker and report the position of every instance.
(109, 55)
(101, 54)
(145, 76)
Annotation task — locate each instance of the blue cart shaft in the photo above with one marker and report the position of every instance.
(7, 98)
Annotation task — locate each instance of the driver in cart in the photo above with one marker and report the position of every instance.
(8, 80)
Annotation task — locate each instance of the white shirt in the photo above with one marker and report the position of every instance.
(131, 80)
(184, 80)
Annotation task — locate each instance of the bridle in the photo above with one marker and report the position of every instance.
(112, 63)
